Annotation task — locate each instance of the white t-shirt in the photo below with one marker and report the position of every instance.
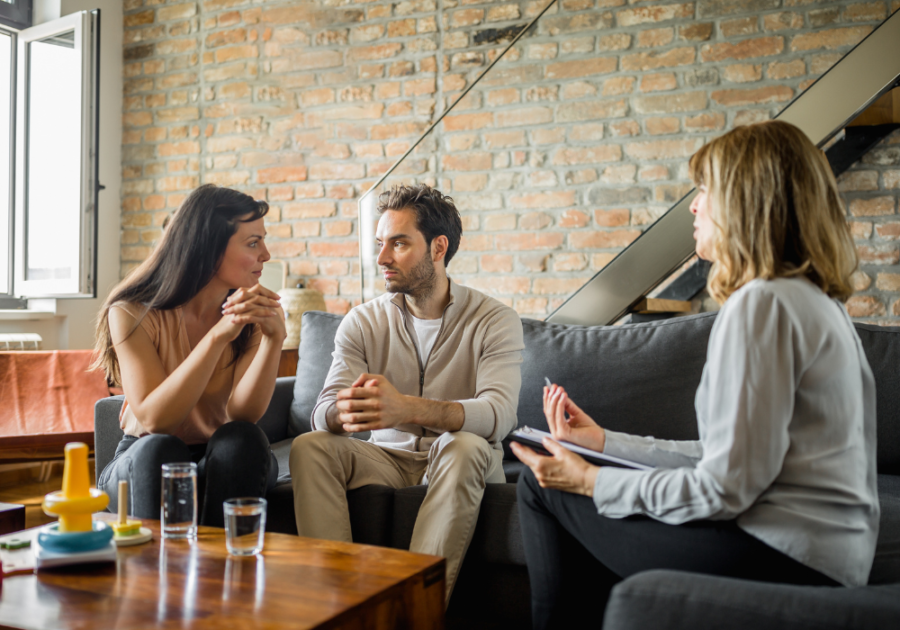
(426, 333)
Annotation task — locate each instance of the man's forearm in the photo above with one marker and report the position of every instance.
(438, 415)
(333, 421)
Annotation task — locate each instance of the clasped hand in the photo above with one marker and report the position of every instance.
(254, 305)
(372, 403)
(563, 469)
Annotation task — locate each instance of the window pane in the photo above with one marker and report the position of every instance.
(5, 122)
(54, 159)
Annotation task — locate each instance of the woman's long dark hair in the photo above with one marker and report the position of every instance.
(185, 260)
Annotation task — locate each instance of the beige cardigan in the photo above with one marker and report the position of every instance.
(475, 362)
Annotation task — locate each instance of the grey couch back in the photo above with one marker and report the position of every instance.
(639, 378)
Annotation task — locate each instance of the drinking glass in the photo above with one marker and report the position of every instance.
(179, 501)
(245, 525)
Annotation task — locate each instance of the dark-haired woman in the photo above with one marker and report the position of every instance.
(195, 341)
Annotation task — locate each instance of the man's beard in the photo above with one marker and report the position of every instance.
(420, 282)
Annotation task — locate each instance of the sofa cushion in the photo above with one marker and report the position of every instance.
(638, 378)
(675, 600)
(316, 347)
(882, 348)
(886, 568)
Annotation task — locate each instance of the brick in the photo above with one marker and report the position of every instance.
(888, 231)
(861, 230)
(695, 32)
(591, 110)
(529, 242)
(531, 306)
(178, 148)
(573, 219)
(279, 174)
(665, 125)
(168, 184)
(858, 181)
(338, 228)
(742, 73)
(468, 122)
(588, 155)
(652, 60)
(624, 128)
(536, 263)
(470, 182)
(561, 199)
(523, 116)
(661, 13)
(619, 174)
(878, 206)
(608, 196)
(467, 162)
(503, 139)
(569, 262)
(705, 122)
(669, 103)
(739, 26)
(617, 41)
(419, 87)
(617, 217)
(658, 82)
(137, 119)
(865, 12)
(758, 96)
(139, 19)
(891, 179)
(864, 306)
(786, 20)
(830, 38)
(542, 51)
(587, 132)
(655, 37)
(176, 12)
(746, 49)
(503, 12)
(499, 222)
(548, 136)
(786, 70)
(878, 255)
(535, 221)
(602, 239)
(581, 68)
(716, 8)
(663, 149)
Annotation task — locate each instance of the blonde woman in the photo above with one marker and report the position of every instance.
(195, 342)
(781, 485)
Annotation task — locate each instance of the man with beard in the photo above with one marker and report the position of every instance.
(432, 369)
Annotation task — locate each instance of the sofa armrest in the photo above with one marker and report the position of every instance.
(107, 433)
(274, 421)
(676, 600)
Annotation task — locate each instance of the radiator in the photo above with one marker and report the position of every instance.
(20, 341)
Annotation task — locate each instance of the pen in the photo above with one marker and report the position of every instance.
(547, 380)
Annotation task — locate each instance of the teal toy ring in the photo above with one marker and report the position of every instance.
(51, 539)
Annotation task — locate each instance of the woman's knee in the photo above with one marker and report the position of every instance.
(245, 434)
(152, 451)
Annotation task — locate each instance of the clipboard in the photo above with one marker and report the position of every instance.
(532, 438)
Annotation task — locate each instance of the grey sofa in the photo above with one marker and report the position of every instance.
(639, 378)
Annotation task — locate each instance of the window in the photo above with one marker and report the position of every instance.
(48, 158)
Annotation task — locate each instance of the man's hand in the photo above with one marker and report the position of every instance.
(564, 470)
(372, 403)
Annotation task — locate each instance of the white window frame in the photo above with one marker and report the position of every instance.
(86, 27)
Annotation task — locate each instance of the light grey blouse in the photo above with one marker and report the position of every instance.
(786, 416)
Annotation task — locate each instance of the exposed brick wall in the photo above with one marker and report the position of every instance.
(575, 142)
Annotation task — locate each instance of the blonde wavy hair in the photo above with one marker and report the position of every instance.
(774, 202)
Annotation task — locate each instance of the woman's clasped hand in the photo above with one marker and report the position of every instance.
(252, 305)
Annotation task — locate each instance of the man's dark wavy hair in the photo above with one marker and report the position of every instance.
(436, 214)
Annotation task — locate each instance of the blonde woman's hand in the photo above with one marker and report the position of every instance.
(568, 423)
(562, 470)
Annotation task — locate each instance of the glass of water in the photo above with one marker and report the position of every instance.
(245, 525)
(178, 512)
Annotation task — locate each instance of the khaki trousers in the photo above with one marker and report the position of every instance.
(325, 466)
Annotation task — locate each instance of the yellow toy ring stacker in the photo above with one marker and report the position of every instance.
(73, 513)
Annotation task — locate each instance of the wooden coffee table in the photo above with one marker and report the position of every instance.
(295, 583)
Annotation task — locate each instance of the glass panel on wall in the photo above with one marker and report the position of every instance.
(53, 184)
(6, 210)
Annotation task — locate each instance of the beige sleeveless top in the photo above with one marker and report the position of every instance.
(167, 331)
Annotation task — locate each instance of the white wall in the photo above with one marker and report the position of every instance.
(73, 328)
